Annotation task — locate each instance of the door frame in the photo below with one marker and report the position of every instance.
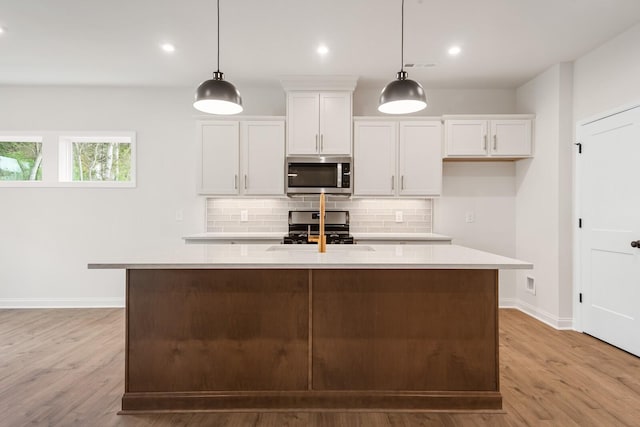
(577, 236)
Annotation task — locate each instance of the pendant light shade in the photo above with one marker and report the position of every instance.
(218, 96)
(402, 96)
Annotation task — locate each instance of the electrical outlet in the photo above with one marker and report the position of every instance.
(244, 216)
(399, 216)
(470, 217)
(179, 215)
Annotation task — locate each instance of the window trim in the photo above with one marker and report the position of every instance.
(65, 162)
(51, 151)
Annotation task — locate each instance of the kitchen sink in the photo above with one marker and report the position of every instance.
(314, 248)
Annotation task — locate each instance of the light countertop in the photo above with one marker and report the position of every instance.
(363, 256)
(278, 235)
(401, 236)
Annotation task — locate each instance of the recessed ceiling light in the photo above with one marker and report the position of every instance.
(454, 50)
(322, 50)
(1, 30)
(168, 47)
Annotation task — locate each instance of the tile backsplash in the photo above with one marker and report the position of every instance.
(366, 215)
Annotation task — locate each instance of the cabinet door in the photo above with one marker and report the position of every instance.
(219, 145)
(263, 157)
(374, 159)
(420, 158)
(466, 138)
(303, 124)
(511, 138)
(335, 123)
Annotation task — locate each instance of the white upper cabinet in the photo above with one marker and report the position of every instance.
(397, 158)
(219, 162)
(241, 157)
(482, 138)
(303, 126)
(420, 158)
(466, 138)
(319, 123)
(511, 138)
(374, 158)
(262, 147)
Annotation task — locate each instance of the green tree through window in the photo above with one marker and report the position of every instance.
(20, 161)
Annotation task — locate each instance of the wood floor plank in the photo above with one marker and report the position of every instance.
(65, 367)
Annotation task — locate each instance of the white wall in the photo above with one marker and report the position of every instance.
(605, 80)
(48, 235)
(487, 190)
(543, 228)
(607, 77)
(441, 101)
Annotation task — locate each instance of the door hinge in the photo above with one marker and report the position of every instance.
(580, 297)
(579, 144)
(579, 222)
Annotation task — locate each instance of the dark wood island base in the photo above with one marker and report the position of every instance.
(319, 339)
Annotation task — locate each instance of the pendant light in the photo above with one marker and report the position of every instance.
(402, 95)
(217, 96)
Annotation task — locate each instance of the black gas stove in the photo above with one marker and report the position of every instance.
(305, 223)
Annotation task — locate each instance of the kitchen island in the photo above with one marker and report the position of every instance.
(282, 327)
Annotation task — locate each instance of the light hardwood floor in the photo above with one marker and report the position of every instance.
(65, 367)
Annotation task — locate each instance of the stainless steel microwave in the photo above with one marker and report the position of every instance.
(315, 175)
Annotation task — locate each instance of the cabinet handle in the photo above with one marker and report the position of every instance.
(316, 142)
(402, 182)
(495, 142)
(235, 182)
(393, 183)
(485, 142)
(245, 181)
(321, 142)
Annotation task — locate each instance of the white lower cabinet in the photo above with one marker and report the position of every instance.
(485, 138)
(397, 158)
(241, 157)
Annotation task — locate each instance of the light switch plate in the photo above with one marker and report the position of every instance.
(399, 216)
(244, 216)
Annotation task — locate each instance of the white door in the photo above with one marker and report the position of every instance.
(263, 157)
(219, 144)
(466, 138)
(510, 138)
(335, 123)
(420, 158)
(374, 159)
(609, 205)
(303, 131)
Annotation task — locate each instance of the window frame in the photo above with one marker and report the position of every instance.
(65, 161)
(54, 160)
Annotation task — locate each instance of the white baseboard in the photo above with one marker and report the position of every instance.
(560, 323)
(61, 302)
(508, 303)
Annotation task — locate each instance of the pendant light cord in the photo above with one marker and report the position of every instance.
(401, 40)
(218, 60)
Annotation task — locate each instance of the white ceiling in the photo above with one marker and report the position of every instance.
(116, 42)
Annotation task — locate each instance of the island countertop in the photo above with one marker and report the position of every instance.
(408, 256)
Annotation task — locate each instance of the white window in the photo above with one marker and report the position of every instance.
(20, 158)
(105, 160)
